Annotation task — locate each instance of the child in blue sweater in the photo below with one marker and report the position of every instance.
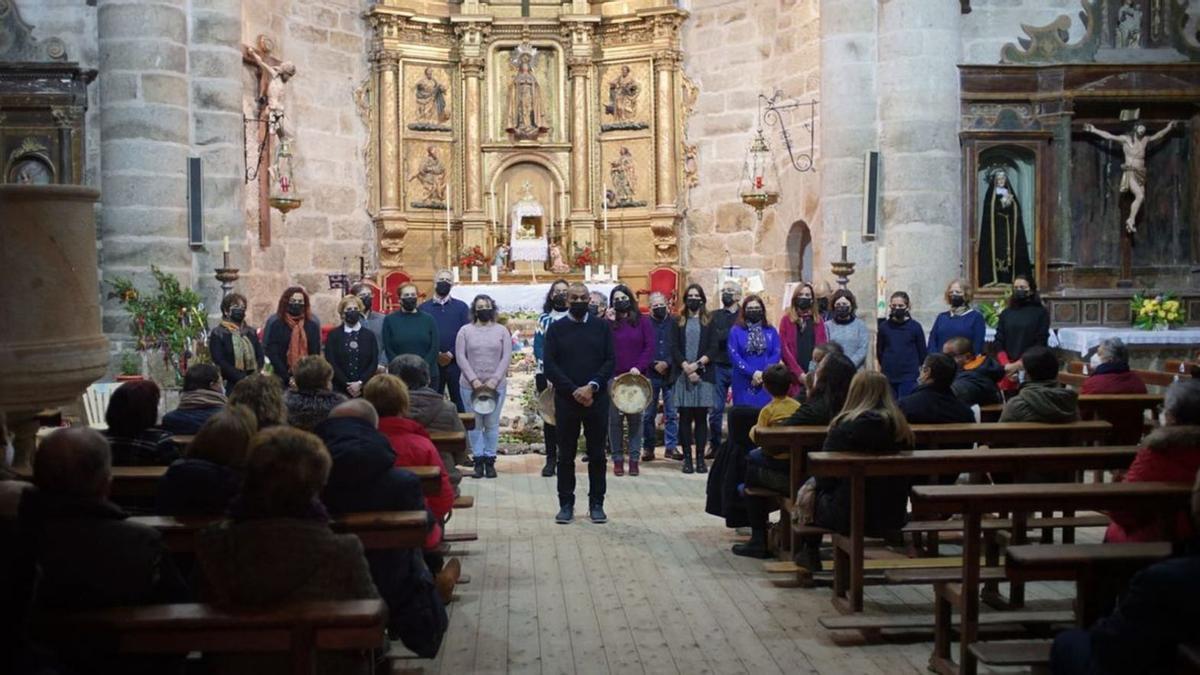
(900, 346)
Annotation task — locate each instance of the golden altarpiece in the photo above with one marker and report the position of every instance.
(549, 124)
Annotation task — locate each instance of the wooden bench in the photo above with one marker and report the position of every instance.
(453, 442)
(299, 629)
(972, 501)
(378, 530)
(467, 419)
(858, 467)
(1179, 367)
(1126, 412)
(1151, 378)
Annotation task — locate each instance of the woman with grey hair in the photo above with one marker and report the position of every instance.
(1171, 454)
(1110, 371)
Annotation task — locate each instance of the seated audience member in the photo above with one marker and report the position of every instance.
(869, 422)
(777, 380)
(430, 408)
(132, 434)
(364, 477)
(933, 401)
(820, 352)
(1155, 614)
(1110, 371)
(1170, 453)
(263, 395)
(203, 395)
(1041, 398)
(978, 377)
(827, 395)
(88, 555)
(277, 546)
(209, 476)
(18, 572)
(313, 397)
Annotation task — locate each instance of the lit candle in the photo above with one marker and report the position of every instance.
(600, 271)
(225, 248)
(843, 238)
(495, 274)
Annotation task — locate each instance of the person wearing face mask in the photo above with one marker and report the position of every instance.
(371, 320)
(233, 345)
(633, 344)
(961, 320)
(823, 291)
(411, 331)
(553, 308)
(753, 345)
(694, 349)
(293, 335)
(1110, 373)
(483, 349)
(1023, 324)
(351, 349)
(800, 331)
(845, 329)
(597, 304)
(663, 374)
(900, 346)
(722, 321)
(450, 315)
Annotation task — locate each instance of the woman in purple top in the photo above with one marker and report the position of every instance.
(482, 350)
(633, 344)
(753, 345)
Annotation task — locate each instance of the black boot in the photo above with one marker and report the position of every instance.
(701, 467)
(808, 556)
(489, 467)
(478, 473)
(755, 548)
(551, 462)
(687, 461)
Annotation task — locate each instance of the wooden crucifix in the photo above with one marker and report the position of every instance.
(270, 121)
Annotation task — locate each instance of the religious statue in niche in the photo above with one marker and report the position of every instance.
(525, 118)
(1129, 25)
(622, 103)
(1133, 171)
(431, 175)
(31, 171)
(623, 173)
(1003, 244)
(432, 113)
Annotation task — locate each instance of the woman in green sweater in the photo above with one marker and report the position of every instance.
(409, 331)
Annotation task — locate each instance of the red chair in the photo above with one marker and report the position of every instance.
(663, 280)
(376, 294)
(390, 297)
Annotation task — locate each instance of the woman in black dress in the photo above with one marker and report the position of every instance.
(294, 335)
(233, 345)
(1023, 324)
(352, 351)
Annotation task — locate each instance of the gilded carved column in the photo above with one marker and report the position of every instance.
(579, 68)
(387, 68)
(472, 71)
(666, 64)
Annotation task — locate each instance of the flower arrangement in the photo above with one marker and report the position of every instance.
(991, 310)
(172, 321)
(1156, 312)
(473, 257)
(585, 256)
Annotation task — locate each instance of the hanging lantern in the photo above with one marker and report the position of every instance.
(759, 187)
(284, 196)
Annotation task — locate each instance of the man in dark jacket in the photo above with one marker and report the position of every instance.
(1041, 398)
(203, 395)
(450, 315)
(363, 478)
(975, 382)
(933, 401)
(663, 372)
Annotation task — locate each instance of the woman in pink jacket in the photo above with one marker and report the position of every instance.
(800, 331)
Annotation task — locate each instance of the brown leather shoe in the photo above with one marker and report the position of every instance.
(619, 468)
(447, 578)
(648, 455)
(633, 468)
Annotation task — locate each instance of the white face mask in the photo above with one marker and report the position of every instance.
(10, 452)
(1094, 362)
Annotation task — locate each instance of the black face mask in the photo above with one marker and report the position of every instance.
(823, 305)
(659, 313)
(485, 315)
(366, 301)
(693, 304)
(579, 310)
(727, 299)
(442, 288)
(409, 304)
(622, 305)
(594, 310)
(296, 308)
(802, 304)
(1020, 295)
(957, 301)
(237, 314)
(842, 314)
(352, 316)
(559, 302)
(754, 316)
(899, 314)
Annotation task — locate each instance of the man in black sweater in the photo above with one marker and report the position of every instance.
(720, 322)
(578, 360)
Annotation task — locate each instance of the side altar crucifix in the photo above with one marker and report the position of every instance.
(273, 168)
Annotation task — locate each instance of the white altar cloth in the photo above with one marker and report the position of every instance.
(1084, 340)
(533, 250)
(517, 297)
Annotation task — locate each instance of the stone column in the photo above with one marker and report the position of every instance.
(918, 113)
(666, 64)
(145, 131)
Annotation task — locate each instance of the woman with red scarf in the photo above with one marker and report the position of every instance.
(294, 335)
(799, 332)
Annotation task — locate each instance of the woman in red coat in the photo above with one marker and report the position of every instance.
(799, 332)
(1110, 371)
(1171, 454)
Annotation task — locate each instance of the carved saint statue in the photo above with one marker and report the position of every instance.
(273, 75)
(1133, 176)
(622, 96)
(431, 99)
(500, 257)
(623, 174)
(1129, 25)
(526, 115)
(557, 264)
(431, 174)
(1003, 244)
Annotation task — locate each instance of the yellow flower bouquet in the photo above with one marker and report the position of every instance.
(1156, 311)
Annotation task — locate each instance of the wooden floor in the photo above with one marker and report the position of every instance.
(654, 590)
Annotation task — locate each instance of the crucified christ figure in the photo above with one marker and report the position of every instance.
(1133, 176)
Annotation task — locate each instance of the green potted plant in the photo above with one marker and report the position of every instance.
(131, 367)
(170, 322)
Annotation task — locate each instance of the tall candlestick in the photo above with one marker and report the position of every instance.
(225, 247)
(550, 228)
(493, 203)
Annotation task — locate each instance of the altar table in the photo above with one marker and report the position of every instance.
(1084, 340)
(517, 297)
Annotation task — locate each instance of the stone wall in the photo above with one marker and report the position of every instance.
(994, 23)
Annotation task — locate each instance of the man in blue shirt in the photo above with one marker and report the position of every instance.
(450, 314)
(662, 375)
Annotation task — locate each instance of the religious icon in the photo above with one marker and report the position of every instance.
(432, 114)
(1129, 25)
(1133, 171)
(500, 257)
(622, 171)
(622, 102)
(431, 174)
(31, 171)
(273, 74)
(557, 264)
(1003, 243)
(526, 115)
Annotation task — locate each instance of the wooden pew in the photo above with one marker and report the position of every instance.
(452, 442)
(1179, 367)
(378, 530)
(300, 629)
(1126, 412)
(1152, 378)
(848, 568)
(973, 501)
(467, 419)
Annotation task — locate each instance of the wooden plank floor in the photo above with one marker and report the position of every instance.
(655, 590)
